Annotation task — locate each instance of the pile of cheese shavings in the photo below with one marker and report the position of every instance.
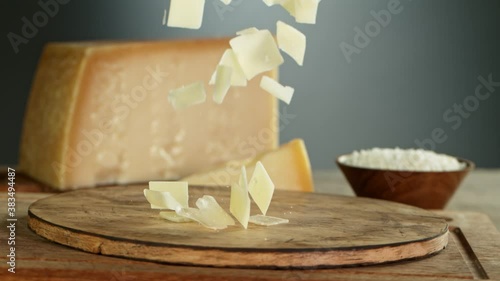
(252, 51)
(173, 196)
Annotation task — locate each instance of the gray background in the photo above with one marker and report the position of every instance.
(394, 92)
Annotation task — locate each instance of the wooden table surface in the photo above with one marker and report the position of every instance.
(473, 252)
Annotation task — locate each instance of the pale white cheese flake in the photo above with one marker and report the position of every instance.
(212, 210)
(186, 13)
(267, 220)
(284, 93)
(222, 82)
(179, 190)
(240, 201)
(187, 96)
(256, 52)
(197, 215)
(161, 200)
(306, 11)
(291, 41)
(238, 77)
(261, 187)
(174, 217)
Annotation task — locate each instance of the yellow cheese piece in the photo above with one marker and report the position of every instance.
(98, 113)
(288, 167)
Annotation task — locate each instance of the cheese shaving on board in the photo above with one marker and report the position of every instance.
(291, 41)
(267, 220)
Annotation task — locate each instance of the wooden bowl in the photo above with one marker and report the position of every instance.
(428, 190)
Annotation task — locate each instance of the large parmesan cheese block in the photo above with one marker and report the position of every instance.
(99, 113)
(288, 167)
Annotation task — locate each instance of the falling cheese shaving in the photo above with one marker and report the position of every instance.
(256, 52)
(187, 96)
(238, 77)
(291, 41)
(284, 93)
(186, 13)
(222, 82)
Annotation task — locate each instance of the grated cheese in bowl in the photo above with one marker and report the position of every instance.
(398, 159)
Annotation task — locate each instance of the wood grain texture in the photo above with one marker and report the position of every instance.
(324, 230)
(40, 259)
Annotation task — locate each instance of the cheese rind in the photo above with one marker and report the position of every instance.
(288, 167)
(99, 114)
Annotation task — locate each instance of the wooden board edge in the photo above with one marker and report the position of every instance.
(237, 259)
(480, 239)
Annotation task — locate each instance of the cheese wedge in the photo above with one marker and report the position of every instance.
(98, 113)
(288, 167)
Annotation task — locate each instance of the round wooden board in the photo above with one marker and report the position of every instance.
(324, 230)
